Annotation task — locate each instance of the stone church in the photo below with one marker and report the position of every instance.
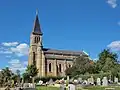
(49, 62)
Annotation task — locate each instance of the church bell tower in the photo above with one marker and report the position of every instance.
(35, 42)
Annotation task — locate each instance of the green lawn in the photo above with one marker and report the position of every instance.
(101, 88)
(87, 88)
(47, 88)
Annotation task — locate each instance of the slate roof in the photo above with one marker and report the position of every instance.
(63, 52)
(36, 27)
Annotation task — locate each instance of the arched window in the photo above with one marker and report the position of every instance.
(50, 67)
(60, 68)
(69, 65)
(35, 40)
(34, 61)
(38, 39)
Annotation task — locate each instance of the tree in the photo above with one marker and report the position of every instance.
(81, 65)
(17, 76)
(5, 76)
(109, 64)
(31, 72)
(106, 53)
(107, 60)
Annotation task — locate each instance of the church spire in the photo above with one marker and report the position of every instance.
(36, 27)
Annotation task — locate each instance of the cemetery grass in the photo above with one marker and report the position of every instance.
(100, 88)
(46, 88)
(87, 88)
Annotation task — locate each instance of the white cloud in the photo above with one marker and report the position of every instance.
(6, 52)
(15, 64)
(115, 46)
(21, 49)
(112, 3)
(8, 56)
(8, 44)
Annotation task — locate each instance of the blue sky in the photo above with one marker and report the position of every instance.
(89, 25)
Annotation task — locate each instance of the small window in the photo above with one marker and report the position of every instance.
(50, 67)
(38, 39)
(35, 40)
(60, 69)
(34, 61)
(69, 65)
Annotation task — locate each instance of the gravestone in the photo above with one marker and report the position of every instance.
(104, 81)
(98, 81)
(30, 85)
(50, 82)
(26, 85)
(68, 79)
(40, 82)
(80, 80)
(62, 78)
(88, 80)
(71, 80)
(115, 80)
(71, 87)
(85, 82)
(76, 81)
(62, 87)
(92, 80)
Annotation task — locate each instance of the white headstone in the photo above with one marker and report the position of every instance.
(71, 87)
(91, 80)
(116, 80)
(68, 78)
(62, 87)
(88, 80)
(40, 82)
(26, 85)
(80, 80)
(98, 81)
(85, 82)
(75, 81)
(62, 78)
(104, 81)
(71, 80)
